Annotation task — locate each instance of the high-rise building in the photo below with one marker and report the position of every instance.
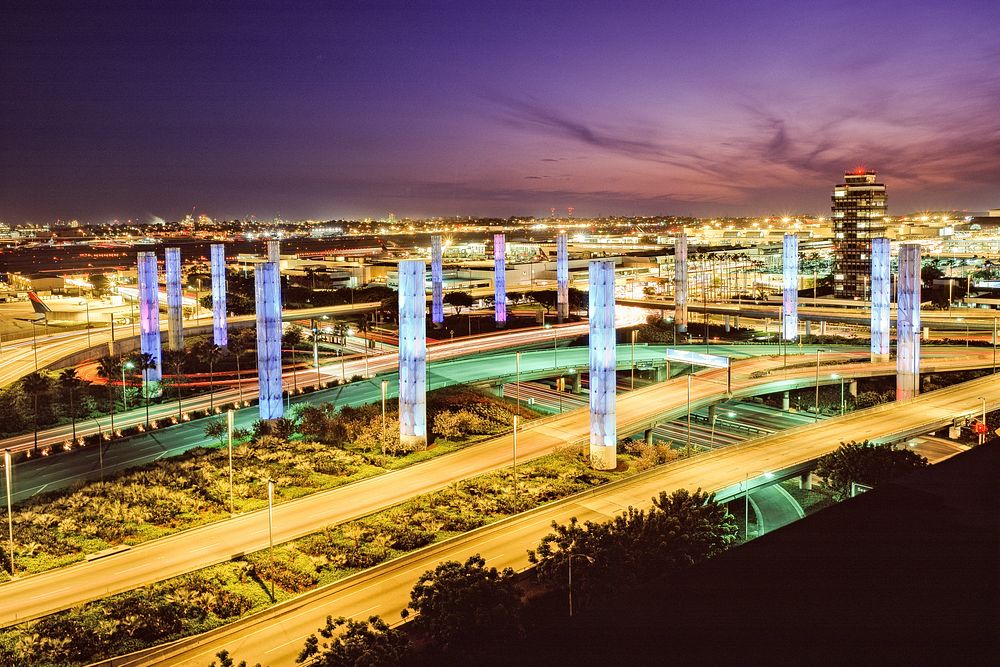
(858, 217)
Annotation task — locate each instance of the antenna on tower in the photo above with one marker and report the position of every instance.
(552, 212)
(570, 210)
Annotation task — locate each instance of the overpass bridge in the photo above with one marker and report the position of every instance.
(278, 633)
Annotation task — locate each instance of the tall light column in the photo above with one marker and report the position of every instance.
(500, 279)
(175, 303)
(220, 332)
(274, 250)
(562, 277)
(437, 282)
(412, 356)
(603, 364)
(149, 313)
(881, 299)
(268, 299)
(908, 322)
(790, 287)
(681, 282)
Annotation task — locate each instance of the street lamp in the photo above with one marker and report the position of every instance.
(634, 332)
(229, 429)
(385, 385)
(8, 475)
(746, 502)
(816, 416)
(270, 528)
(570, 557)
(517, 379)
(515, 458)
(689, 414)
(128, 365)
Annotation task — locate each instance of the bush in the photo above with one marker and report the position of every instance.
(865, 463)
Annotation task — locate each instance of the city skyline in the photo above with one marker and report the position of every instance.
(443, 110)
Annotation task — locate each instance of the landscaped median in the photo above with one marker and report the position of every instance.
(220, 594)
(333, 448)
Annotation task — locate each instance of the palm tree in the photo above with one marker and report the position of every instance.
(239, 342)
(35, 384)
(145, 361)
(70, 381)
(210, 354)
(291, 338)
(109, 368)
(175, 359)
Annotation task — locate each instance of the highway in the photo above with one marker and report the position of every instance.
(275, 636)
(345, 369)
(160, 559)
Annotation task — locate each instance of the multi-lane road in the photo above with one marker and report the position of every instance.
(160, 559)
(275, 636)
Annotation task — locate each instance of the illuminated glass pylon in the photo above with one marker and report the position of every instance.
(908, 322)
(500, 279)
(175, 299)
(562, 277)
(881, 299)
(149, 313)
(603, 365)
(437, 282)
(220, 331)
(267, 293)
(412, 355)
(790, 287)
(681, 282)
(274, 251)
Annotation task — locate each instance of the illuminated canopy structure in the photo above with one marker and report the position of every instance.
(603, 365)
(412, 356)
(562, 277)
(908, 322)
(437, 282)
(267, 288)
(790, 287)
(149, 313)
(220, 332)
(881, 298)
(500, 279)
(175, 303)
(681, 282)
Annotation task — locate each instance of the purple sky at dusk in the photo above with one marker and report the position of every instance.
(350, 109)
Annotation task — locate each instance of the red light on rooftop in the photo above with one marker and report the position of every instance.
(860, 171)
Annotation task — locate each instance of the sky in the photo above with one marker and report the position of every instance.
(333, 110)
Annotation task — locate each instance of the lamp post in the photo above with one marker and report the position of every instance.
(746, 502)
(229, 429)
(517, 379)
(570, 558)
(270, 527)
(994, 345)
(385, 385)
(689, 414)
(8, 475)
(514, 449)
(633, 359)
(816, 416)
(982, 436)
(128, 365)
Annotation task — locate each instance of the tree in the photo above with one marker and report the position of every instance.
(461, 606)
(930, 272)
(226, 660)
(353, 643)
(241, 340)
(176, 360)
(217, 429)
(548, 299)
(680, 529)
(210, 354)
(109, 368)
(459, 300)
(144, 362)
(292, 338)
(98, 284)
(866, 463)
(35, 384)
(70, 381)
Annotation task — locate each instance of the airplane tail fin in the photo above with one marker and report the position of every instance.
(38, 305)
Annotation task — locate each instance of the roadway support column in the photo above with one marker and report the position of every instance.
(562, 277)
(648, 435)
(437, 282)
(576, 386)
(412, 356)
(220, 331)
(149, 315)
(790, 287)
(267, 286)
(808, 327)
(175, 303)
(662, 373)
(852, 388)
(603, 365)
(725, 320)
(786, 402)
(681, 282)
(908, 322)
(806, 481)
(822, 328)
(881, 279)
(499, 280)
